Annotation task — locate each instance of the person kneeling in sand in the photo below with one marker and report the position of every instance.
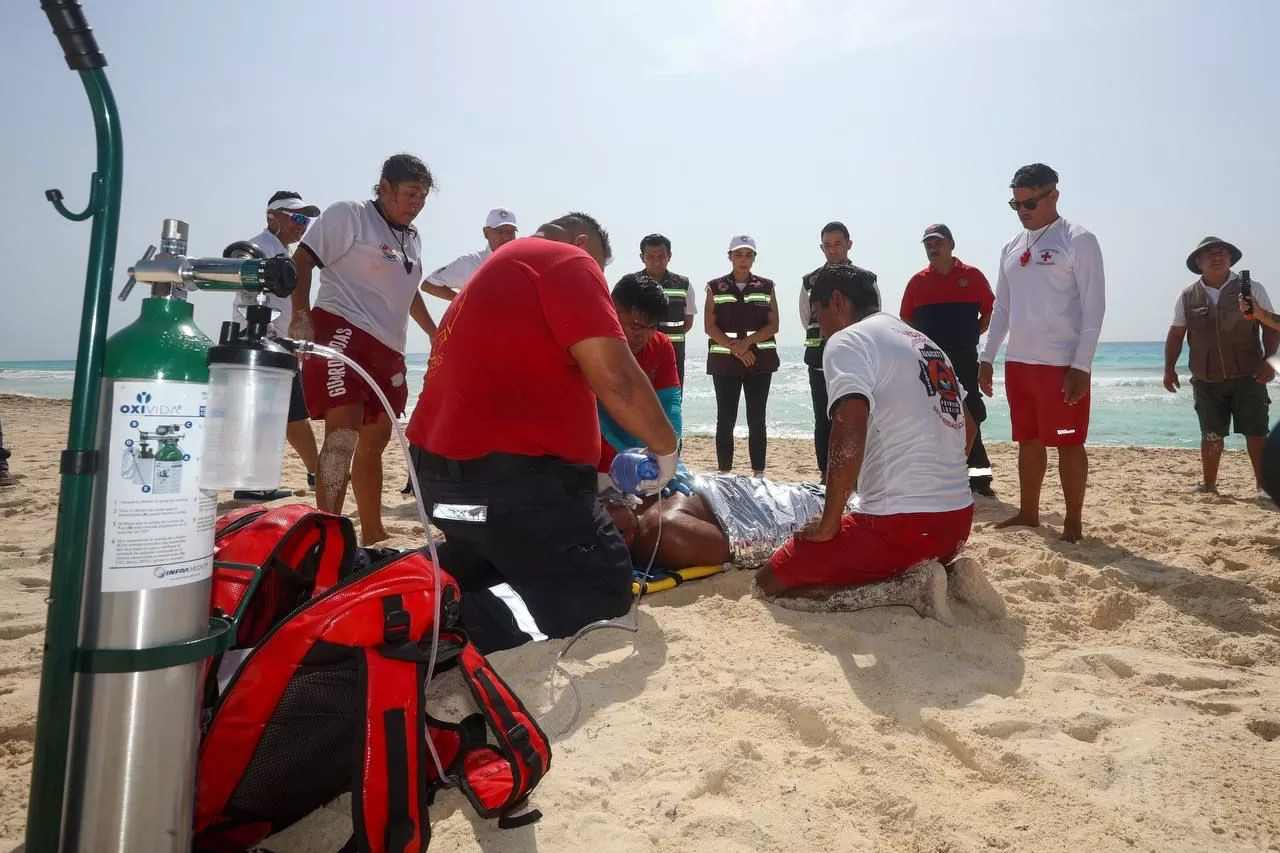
(901, 435)
(729, 518)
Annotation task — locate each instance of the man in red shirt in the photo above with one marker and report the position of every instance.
(951, 302)
(509, 439)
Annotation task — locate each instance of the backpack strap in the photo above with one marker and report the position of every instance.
(389, 794)
(498, 778)
(301, 551)
(287, 537)
(236, 519)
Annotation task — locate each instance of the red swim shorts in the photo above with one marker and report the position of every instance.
(329, 383)
(1038, 409)
(872, 548)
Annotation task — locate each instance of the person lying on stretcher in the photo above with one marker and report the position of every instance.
(741, 520)
(728, 518)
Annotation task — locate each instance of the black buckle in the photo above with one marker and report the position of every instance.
(519, 735)
(395, 629)
(451, 609)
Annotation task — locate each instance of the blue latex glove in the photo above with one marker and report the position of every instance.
(682, 482)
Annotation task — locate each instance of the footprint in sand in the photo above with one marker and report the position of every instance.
(24, 731)
(1005, 729)
(15, 632)
(958, 747)
(1215, 709)
(1268, 730)
(1100, 665)
(1115, 609)
(805, 721)
(33, 583)
(1189, 682)
(1086, 727)
(22, 667)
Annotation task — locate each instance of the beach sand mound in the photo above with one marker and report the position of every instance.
(1129, 699)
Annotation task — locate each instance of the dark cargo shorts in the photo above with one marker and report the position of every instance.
(1243, 401)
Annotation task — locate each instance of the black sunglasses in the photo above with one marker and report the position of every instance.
(1029, 204)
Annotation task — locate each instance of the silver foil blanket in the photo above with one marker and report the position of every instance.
(757, 515)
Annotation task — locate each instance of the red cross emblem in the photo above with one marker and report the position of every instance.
(1046, 256)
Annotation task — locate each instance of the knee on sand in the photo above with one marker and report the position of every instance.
(925, 588)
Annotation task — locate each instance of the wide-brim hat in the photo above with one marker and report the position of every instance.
(1208, 242)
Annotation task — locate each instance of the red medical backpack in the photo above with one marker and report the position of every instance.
(331, 697)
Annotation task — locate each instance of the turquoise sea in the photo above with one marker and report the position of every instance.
(1130, 405)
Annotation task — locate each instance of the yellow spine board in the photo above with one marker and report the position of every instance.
(670, 580)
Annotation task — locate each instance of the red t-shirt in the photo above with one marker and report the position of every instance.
(500, 378)
(658, 361)
(946, 307)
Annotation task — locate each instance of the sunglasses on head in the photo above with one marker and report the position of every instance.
(1029, 204)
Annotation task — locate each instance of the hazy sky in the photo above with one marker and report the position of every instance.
(699, 119)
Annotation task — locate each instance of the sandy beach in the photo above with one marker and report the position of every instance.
(1129, 700)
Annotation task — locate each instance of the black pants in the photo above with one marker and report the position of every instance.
(965, 362)
(534, 552)
(679, 348)
(4, 454)
(821, 419)
(728, 389)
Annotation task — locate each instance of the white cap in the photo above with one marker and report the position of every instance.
(294, 205)
(498, 217)
(742, 241)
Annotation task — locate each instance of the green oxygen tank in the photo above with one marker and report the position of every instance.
(128, 628)
(148, 583)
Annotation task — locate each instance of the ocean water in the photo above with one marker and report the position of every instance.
(1130, 405)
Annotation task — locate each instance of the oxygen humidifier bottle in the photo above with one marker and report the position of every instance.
(630, 468)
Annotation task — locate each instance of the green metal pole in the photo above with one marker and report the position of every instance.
(80, 461)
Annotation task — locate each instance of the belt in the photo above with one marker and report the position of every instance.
(495, 466)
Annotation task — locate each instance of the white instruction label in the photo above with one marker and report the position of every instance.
(159, 524)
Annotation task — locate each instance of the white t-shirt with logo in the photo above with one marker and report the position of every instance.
(1260, 299)
(459, 271)
(271, 247)
(914, 460)
(363, 277)
(1052, 307)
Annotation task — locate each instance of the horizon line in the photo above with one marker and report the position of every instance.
(424, 352)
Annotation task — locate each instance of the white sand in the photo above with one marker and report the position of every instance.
(1129, 700)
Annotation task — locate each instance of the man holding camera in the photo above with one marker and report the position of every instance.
(1227, 356)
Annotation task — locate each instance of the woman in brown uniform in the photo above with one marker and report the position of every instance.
(741, 321)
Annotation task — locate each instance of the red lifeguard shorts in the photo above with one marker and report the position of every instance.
(328, 384)
(872, 548)
(1038, 408)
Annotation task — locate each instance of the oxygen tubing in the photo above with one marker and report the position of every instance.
(603, 623)
(308, 347)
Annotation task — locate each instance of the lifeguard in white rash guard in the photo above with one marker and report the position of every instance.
(900, 434)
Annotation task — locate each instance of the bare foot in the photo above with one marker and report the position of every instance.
(966, 582)
(1019, 520)
(1072, 531)
(373, 536)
